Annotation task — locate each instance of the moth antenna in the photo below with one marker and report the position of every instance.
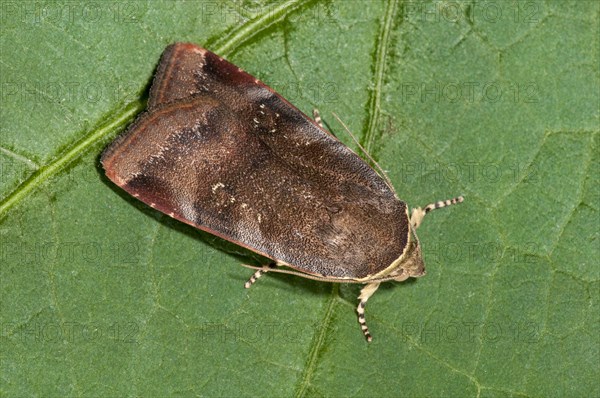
(418, 213)
(381, 172)
(365, 293)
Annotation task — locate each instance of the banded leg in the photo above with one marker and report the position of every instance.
(365, 293)
(254, 277)
(317, 117)
(417, 214)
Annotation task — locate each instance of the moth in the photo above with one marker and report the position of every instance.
(219, 150)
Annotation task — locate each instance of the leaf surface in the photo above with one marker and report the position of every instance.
(498, 101)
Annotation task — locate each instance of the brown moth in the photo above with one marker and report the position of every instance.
(219, 150)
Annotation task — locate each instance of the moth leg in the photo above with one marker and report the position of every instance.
(319, 121)
(365, 293)
(317, 117)
(259, 272)
(254, 277)
(419, 213)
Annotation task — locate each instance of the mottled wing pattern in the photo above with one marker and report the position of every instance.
(223, 152)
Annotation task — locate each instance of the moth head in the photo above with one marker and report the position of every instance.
(411, 264)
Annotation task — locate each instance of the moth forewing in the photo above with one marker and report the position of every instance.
(221, 151)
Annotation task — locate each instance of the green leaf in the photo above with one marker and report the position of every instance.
(498, 101)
